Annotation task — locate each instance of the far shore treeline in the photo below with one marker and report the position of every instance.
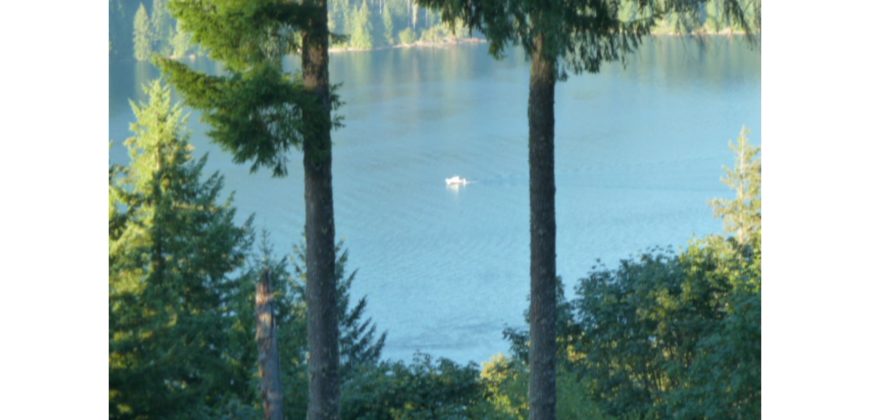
(140, 27)
(209, 321)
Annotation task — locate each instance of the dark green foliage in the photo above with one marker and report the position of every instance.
(359, 343)
(519, 337)
(422, 389)
(506, 380)
(579, 35)
(665, 334)
(674, 335)
(255, 111)
(173, 249)
(725, 380)
(628, 341)
(181, 323)
(289, 319)
(255, 115)
(668, 335)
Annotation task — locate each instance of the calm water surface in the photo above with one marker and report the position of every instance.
(639, 153)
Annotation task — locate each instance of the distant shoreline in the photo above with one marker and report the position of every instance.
(417, 44)
(450, 42)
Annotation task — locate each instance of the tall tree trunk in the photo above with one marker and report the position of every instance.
(542, 198)
(320, 293)
(267, 346)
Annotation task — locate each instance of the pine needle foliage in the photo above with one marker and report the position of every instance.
(173, 249)
(359, 342)
(580, 35)
(254, 109)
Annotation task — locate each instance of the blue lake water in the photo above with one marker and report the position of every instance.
(639, 153)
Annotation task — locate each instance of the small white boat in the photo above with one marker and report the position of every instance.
(456, 181)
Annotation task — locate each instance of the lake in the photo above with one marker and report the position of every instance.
(639, 154)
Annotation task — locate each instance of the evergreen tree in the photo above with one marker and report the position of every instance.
(172, 251)
(558, 37)
(259, 112)
(162, 27)
(742, 215)
(142, 38)
(320, 288)
(181, 42)
(343, 13)
(361, 32)
(359, 343)
(388, 24)
(712, 20)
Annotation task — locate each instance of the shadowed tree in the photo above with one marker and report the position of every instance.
(359, 343)
(173, 249)
(320, 291)
(559, 37)
(258, 112)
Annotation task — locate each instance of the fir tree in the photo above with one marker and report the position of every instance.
(361, 32)
(388, 24)
(142, 35)
(557, 37)
(359, 343)
(742, 215)
(172, 250)
(259, 112)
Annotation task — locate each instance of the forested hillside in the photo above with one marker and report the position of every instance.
(365, 24)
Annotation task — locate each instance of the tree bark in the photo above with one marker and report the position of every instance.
(320, 292)
(267, 346)
(542, 199)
